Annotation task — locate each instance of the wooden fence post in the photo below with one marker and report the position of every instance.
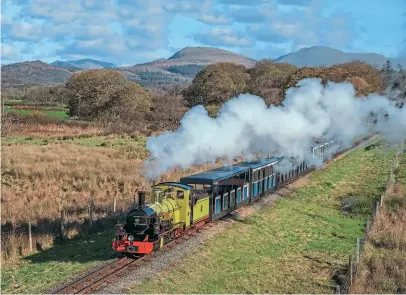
(381, 203)
(114, 210)
(377, 208)
(91, 212)
(358, 250)
(368, 225)
(30, 236)
(62, 225)
(350, 273)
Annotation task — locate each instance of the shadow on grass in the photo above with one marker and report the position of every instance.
(91, 244)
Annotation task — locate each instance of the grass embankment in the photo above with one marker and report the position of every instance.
(295, 247)
(383, 265)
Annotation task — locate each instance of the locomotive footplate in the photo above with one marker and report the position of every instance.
(132, 248)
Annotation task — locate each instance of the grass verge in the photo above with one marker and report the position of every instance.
(382, 269)
(296, 247)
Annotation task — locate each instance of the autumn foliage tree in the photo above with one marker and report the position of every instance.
(168, 109)
(106, 95)
(267, 78)
(216, 84)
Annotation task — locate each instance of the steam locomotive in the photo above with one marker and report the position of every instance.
(198, 199)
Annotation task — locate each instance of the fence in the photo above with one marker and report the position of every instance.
(27, 237)
(344, 287)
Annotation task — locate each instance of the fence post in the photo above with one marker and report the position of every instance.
(358, 250)
(368, 225)
(377, 208)
(114, 210)
(351, 266)
(62, 225)
(30, 236)
(338, 289)
(91, 212)
(381, 203)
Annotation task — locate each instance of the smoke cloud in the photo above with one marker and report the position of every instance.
(245, 125)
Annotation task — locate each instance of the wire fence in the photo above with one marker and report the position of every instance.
(346, 281)
(32, 236)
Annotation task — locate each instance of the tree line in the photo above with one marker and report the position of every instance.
(106, 96)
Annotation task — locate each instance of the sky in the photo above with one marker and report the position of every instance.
(127, 32)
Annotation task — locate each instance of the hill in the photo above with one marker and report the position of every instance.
(33, 73)
(327, 56)
(183, 66)
(84, 64)
(180, 68)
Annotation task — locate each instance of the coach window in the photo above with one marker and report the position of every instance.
(225, 201)
(232, 198)
(218, 205)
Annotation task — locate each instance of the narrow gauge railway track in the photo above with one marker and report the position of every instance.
(95, 279)
(109, 272)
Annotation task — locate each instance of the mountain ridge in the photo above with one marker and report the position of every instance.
(315, 56)
(179, 68)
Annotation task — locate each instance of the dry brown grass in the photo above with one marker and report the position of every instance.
(17, 245)
(55, 129)
(39, 180)
(383, 265)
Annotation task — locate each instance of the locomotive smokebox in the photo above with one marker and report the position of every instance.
(141, 198)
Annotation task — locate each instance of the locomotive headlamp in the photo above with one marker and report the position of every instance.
(131, 238)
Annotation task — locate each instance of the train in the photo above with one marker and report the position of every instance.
(179, 207)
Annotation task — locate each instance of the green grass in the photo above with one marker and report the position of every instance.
(60, 114)
(89, 141)
(41, 271)
(295, 247)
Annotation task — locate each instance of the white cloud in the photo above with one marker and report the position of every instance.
(213, 19)
(223, 37)
(10, 52)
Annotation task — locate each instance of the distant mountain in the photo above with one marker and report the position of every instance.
(83, 64)
(326, 56)
(183, 66)
(33, 73)
(180, 68)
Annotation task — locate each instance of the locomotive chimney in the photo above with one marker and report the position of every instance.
(141, 198)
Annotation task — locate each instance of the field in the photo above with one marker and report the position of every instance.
(24, 107)
(42, 175)
(383, 265)
(298, 246)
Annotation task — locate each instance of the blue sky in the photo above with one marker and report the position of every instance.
(127, 32)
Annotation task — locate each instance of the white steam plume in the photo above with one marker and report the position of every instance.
(245, 125)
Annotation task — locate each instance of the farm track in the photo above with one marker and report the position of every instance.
(109, 272)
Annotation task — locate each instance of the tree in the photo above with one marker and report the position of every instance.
(90, 91)
(266, 79)
(168, 109)
(107, 95)
(216, 84)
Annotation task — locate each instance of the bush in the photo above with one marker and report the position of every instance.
(216, 84)
(108, 96)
